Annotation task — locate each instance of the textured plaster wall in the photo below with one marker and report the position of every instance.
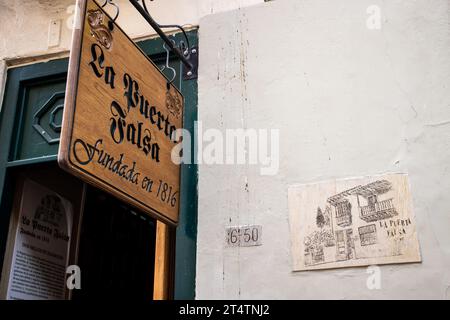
(349, 101)
(25, 24)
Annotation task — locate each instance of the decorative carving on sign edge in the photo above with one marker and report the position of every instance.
(173, 104)
(98, 29)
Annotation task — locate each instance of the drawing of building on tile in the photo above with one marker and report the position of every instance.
(356, 225)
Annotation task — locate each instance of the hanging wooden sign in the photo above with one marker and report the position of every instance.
(120, 118)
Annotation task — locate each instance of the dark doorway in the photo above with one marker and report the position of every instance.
(117, 250)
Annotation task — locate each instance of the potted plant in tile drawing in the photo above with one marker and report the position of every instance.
(319, 239)
(314, 246)
(323, 223)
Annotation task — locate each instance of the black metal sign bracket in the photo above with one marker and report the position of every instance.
(189, 74)
(187, 55)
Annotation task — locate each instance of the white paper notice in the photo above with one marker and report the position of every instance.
(41, 246)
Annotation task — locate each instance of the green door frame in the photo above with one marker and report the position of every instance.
(11, 122)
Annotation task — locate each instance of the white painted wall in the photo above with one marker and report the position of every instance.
(25, 24)
(348, 101)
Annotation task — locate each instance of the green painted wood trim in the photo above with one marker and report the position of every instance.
(31, 161)
(186, 234)
(6, 128)
(10, 116)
